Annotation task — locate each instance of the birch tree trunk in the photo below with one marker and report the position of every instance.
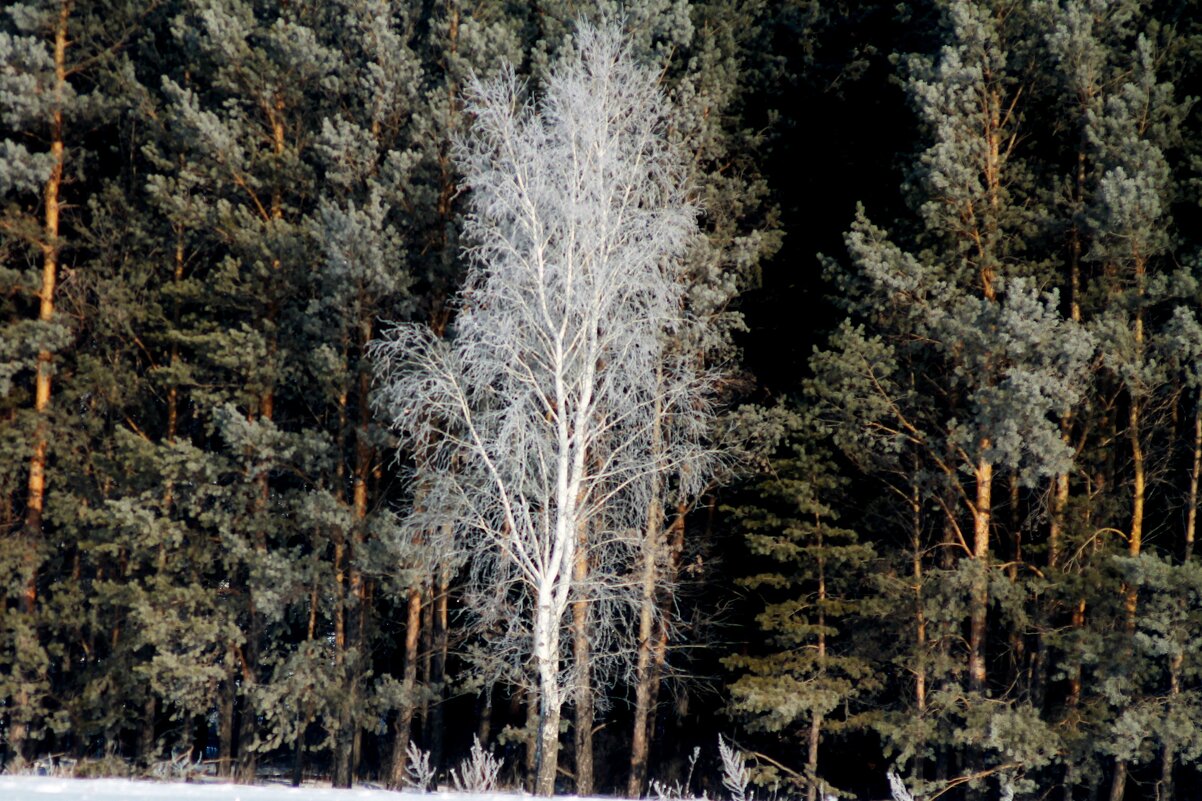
(546, 655)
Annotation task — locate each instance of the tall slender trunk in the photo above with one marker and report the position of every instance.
(815, 734)
(225, 721)
(438, 665)
(404, 718)
(1058, 508)
(1168, 754)
(531, 737)
(147, 741)
(1061, 486)
(425, 663)
(344, 739)
(651, 554)
(484, 727)
(22, 714)
(35, 504)
(248, 720)
(920, 618)
(547, 658)
(1074, 264)
(1191, 505)
(981, 517)
(659, 651)
(1022, 670)
(364, 455)
(1138, 496)
(305, 717)
(341, 756)
(582, 658)
(248, 725)
(547, 745)
(351, 616)
(648, 581)
(663, 620)
(146, 750)
(298, 756)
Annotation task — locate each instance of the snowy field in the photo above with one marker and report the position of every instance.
(42, 788)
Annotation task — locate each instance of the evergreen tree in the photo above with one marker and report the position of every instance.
(817, 596)
(953, 359)
(60, 344)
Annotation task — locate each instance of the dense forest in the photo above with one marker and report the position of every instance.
(941, 313)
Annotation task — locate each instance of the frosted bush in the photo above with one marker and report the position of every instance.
(478, 773)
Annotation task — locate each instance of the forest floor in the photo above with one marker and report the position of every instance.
(47, 788)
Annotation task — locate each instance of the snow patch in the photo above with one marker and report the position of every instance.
(40, 788)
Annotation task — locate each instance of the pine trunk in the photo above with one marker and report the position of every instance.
(1168, 755)
(439, 663)
(812, 741)
(815, 735)
(146, 750)
(1191, 505)
(225, 725)
(23, 713)
(639, 745)
(484, 727)
(981, 515)
(1135, 537)
(920, 619)
(247, 722)
(424, 665)
(404, 718)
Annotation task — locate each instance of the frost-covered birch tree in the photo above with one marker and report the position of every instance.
(538, 425)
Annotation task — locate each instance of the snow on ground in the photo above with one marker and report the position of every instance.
(45, 788)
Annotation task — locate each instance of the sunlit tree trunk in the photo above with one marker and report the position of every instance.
(1168, 754)
(404, 719)
(982, 512)
(1139, 480)
(22, 714)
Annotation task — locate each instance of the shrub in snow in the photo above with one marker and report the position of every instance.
(478, 773)
(418, 773)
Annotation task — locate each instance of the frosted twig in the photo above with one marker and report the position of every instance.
(735, 775)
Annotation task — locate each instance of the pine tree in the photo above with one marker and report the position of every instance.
(57, 61)
(951, 357)
(1113, 58)
(817, 594)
